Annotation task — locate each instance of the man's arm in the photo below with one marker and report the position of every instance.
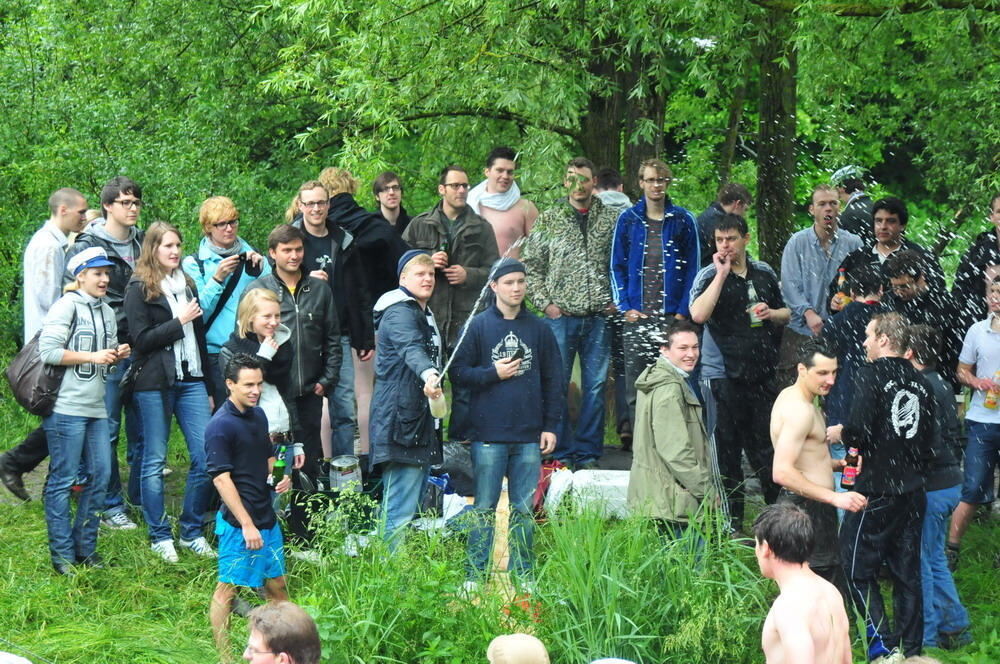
(967, 376)
(476, 275)
(703, 305)
(535, 256)
(619, 264)
(797, 421)
(231, 497)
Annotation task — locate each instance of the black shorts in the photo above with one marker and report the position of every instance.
(826, 551)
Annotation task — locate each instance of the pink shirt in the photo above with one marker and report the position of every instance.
(508, 225)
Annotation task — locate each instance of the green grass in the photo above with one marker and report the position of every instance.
(604, 589)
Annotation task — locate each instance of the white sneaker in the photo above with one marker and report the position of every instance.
(165, 549)
(307, 556)
(167, 471)
(199, 546)
(118, 521)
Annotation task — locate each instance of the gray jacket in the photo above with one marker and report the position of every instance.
(82, 323)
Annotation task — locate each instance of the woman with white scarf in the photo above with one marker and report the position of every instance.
(170, 363)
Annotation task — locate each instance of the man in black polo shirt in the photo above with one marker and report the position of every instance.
(240, 459)
(739, 300)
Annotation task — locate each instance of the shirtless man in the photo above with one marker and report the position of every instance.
(807, 623)
(802, 463)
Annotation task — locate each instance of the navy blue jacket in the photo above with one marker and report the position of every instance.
(407, 345)
(846, 329)
(519, 409)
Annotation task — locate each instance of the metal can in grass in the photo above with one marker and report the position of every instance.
(345, 473)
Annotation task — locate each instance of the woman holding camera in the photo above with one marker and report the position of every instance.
(81, 334)
(168, 334)
(221, 269)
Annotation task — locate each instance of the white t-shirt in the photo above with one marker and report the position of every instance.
(982, 349)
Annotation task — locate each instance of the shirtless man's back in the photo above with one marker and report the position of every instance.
(807, 623)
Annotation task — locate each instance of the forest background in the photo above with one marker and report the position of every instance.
(245, 99)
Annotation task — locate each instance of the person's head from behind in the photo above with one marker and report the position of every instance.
(286, 247)
(338, 181)
(517, 649)
(905, 270)
(886, 335)
(735, 198)
(259, 313)
(731, 236)
(608, 179)
(244, 379)
(923, 345)
(121, 199)
(282, 633)
(817, 366)
(680, 345)
(784, 535)
(865, 283)
(220, 220)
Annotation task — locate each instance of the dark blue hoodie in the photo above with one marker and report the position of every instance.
(519, 409)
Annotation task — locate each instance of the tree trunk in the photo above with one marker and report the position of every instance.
(601, 138)
(776, 137)
(652, 108)
(728, 150)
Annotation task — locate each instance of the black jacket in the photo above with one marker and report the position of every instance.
(892, 424)
(856, 217)
(865, 256)
(378, 242)
(311, 316)
(402, 221)
(937, 309)
(970, 285)
(349, 287)
(401, 427)
(121, 272)
(706, 231)
(154, 330)
(943, 470)
(277, 370)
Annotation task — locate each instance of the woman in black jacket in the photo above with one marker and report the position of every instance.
(170, 360)
(971, 277)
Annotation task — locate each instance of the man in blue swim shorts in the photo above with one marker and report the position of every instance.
(240, 458)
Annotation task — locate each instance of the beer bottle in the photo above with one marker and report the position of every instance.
(845, 299)
(752, 298)
(992, 396)
(278, 471)
(849, 475)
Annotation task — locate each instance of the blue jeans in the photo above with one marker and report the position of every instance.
(73, 439)
(586, 336)
(404, 486)
(522, 464)
(341, 404)
(115, 501)
(189, 402)
(982, 453)
(943, 611)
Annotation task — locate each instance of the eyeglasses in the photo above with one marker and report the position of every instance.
(656, 180)
(456, 186)
(391, 188)
(233, 223)
(314, 204)
(133, 204)
(254, 652)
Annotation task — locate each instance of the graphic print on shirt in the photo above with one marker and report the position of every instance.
(322, 262)
(905, 413)
(85, 341)
(507, 347)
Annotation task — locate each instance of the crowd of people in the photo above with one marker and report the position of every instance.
(337, 338)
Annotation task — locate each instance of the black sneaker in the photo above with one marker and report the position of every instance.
(954, 640)
(12, 479)
(951, 554)
(94, 561)
(63, 568)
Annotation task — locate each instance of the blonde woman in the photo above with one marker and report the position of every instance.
(165, 321)
(259, 333)
(80, 333)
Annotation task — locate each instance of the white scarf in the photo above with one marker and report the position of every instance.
(479, 196)
(174, 287)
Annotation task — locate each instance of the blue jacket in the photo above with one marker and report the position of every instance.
(408, 350)
(680, 258)
(519, 409)
(209, 290)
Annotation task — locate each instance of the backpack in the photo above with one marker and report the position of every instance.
(34, 383)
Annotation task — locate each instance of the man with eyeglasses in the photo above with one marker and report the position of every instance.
(463, 248)
(43, 266)
(654, 259)
(282, 633)
(331, 255)
(890, 217)
(388, 192)
(498, 199)
(118, 235)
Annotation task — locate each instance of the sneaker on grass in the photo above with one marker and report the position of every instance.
(165, 549)
(118, 521)
(199, 546)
